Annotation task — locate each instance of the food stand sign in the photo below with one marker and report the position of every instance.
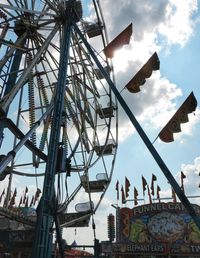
(158, 228)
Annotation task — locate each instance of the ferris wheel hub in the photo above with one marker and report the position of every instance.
(24, 25)
(71, 8)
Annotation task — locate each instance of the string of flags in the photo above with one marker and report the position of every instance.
(153, 190)
(23, 201)
(139, 79)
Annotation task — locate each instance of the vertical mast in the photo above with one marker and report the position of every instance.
(42, 246)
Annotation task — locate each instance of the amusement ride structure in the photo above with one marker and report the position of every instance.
(58, 113)
(58, 117)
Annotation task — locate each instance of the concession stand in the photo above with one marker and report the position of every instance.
(155, 230)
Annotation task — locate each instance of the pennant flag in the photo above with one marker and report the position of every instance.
(12, 200)
(24, 199)
(174, 196)
(149, 194)
(144, 184)
(122, 39)
(2, 194)
(127, 186)
(37, 195)
(145, 72)
(117, 189)
(158, 193)
(20, 202)
(154, 178)
(32, 201)
(15, 193)
(123, 195)
(26, 191)
(135, 196)
(181, 116)
(26, 203)
(182, 177)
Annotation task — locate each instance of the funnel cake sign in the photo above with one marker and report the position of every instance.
(158, 228)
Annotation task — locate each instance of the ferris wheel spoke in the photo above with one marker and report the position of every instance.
(24, 139)
(87, 72)
(11, 51)
(6, 7)
(9, 13)
(16, 4)
(51, 5)
(41, 40)
(8, 99)
(12, 45)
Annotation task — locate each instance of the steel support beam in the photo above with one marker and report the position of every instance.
(42, 246)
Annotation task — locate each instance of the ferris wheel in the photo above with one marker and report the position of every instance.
(58, 115)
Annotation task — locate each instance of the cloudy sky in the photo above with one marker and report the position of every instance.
(171, 28)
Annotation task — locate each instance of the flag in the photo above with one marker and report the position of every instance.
(26, 203)
(139, 79)
(32, 201)
(25, 192)
(144, 184)
(181, 116)
(12, 200)
(2, 194)
(24, 198)
(182, 177)
(127, 186)
(149, 194)
(20, 202)
(154, 178)
(135, 196)
(117, 189)
(173, 195)
(122, 39)
(37, 195)
(123, 195)
(15, 193)
(158, 193)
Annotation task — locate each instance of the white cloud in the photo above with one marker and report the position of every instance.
(192, 180)
(178, 25)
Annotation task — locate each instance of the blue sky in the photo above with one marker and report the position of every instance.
(170, 27)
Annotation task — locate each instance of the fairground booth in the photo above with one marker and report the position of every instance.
(153, 230)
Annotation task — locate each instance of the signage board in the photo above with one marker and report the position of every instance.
(158, 228)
